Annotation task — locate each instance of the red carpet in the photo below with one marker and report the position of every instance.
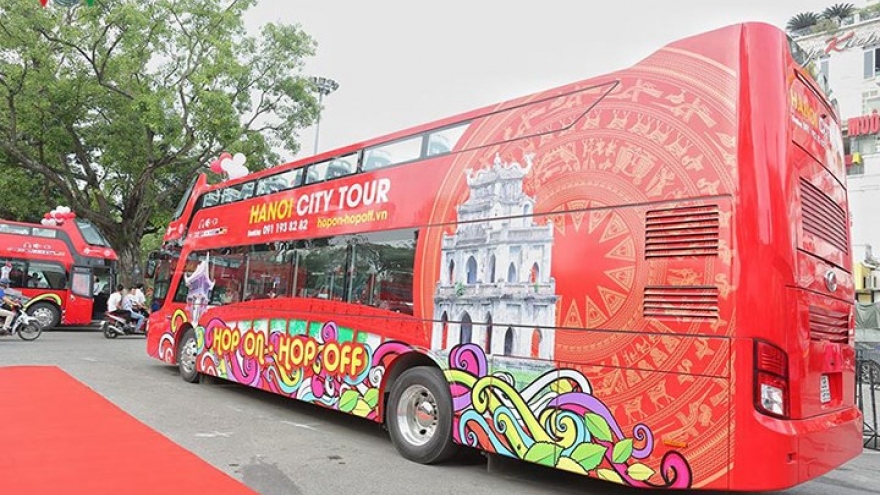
(57, 436)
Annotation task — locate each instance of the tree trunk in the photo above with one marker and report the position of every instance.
(127, 244)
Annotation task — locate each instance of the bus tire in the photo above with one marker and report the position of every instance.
(419, 416)
(47, 315)
(186, 357)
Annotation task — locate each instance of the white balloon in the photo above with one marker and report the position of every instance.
(239, 159)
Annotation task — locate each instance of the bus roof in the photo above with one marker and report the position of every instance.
(79, 237)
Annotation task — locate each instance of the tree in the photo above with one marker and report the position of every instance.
(838, 12)
(802, 21)
(40, 196)
(118, 105)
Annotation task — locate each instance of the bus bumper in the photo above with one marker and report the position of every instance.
(790, 452)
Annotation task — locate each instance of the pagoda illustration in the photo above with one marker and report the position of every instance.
(495, 288)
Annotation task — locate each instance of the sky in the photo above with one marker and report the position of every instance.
(403, 63)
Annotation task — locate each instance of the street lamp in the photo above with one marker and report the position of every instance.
(325, 86)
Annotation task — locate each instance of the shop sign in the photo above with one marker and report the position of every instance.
(864, 125)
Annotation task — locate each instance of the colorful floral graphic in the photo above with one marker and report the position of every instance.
(550, 418)
(322, 369)
(554, 420)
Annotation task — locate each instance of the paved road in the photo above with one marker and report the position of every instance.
(283, 447)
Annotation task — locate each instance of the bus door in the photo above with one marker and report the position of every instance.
(103, 283)
(78, 310)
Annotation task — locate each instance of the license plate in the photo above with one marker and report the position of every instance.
(825, 390)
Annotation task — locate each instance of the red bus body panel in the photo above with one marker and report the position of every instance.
(695, 204)
(68, 249)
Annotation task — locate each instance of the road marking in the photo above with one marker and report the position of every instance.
(300, 425)
(91, 360)
(214, 434)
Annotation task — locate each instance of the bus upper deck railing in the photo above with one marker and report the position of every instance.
(868, 390)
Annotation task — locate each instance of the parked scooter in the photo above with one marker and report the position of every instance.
(119, 323)
(24, 325)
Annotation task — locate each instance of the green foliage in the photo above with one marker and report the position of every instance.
(802, 21)
(23, 196)
(825, 26)
(116, 106)
(839, 11)
(869, 11)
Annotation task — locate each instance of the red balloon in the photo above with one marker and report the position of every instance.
(215, 167)
(47, 216)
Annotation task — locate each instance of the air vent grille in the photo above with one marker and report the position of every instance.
(694, 302)
(825, 324)
(822, 217)
(685, 231)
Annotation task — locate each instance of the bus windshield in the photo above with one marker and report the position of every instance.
(90, 233)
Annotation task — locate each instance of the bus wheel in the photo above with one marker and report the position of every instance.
(186, 357)
(419, 416)
(47, 315)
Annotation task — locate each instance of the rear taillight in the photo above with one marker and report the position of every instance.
(771, 380)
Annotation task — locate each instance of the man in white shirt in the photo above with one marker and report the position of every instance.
(138, 298)
(115, 300)
(128, 304)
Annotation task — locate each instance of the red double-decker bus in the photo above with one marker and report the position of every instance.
(67, 270)
(644, 277)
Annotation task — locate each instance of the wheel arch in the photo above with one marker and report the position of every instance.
(400, 365)
(51, 300)
(178, 339)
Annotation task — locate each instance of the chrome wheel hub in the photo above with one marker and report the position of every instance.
(188, 356)
(44, 316)
(417, 415)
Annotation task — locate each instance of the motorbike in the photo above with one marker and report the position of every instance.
(118, 323)
(24, 325)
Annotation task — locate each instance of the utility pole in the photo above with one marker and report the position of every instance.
(325, 86)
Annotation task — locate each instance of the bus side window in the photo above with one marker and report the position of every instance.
(45, 275)
(182, 291)
(404, 150)
(382, 270)
(317, 172)
(247, 190)
(279, 182)
(342, 166)
(231, 194)
(210, 199)
(17, 273)
(444, 140)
